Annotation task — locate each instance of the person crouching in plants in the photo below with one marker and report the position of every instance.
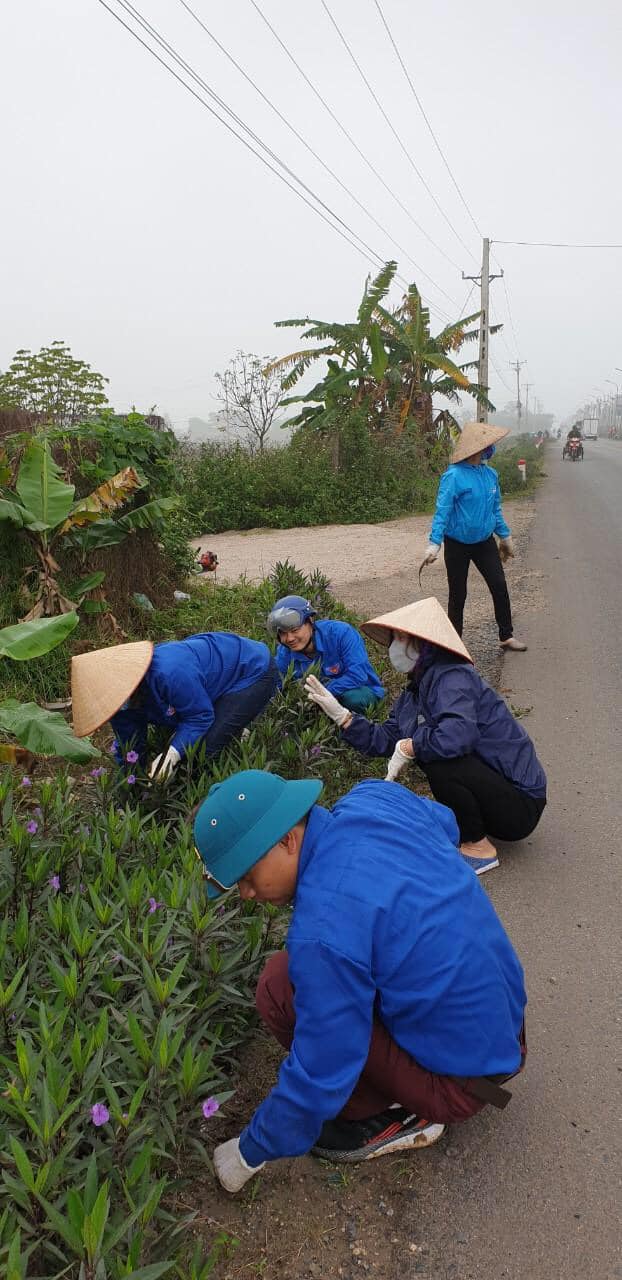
(205, 689)
(399, 996)
(478, 759)
(339, 649)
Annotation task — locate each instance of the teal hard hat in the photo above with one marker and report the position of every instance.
(242, 818)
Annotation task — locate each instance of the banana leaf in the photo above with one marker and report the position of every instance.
(145, 517)
(33, 639)
(108, 497)
(45, 733)
(45, 495)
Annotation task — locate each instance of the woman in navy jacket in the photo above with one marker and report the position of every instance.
(477, 757)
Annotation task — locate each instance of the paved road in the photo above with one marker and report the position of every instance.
(537, 1191)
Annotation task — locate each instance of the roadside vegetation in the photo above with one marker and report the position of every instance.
(124, 994)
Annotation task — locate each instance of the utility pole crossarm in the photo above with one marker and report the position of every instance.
(484, 280)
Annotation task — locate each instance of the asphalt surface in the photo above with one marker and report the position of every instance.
(536, 1191)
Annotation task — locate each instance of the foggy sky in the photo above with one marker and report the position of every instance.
(138, 230)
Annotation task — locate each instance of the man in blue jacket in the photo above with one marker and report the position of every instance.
(205, 689)
(399, 997)
(468, 514)
(336, 646)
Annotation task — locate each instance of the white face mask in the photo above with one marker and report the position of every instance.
(403, 654)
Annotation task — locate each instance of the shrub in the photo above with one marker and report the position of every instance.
(124, 992)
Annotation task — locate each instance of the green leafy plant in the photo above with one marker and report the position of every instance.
(38, 731)
(42, 507)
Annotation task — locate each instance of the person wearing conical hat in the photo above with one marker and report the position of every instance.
(206, 689)
(478, 759)
(399, 998)
(468, 514)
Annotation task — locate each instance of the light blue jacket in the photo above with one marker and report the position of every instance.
(468, 504)
(389, 921)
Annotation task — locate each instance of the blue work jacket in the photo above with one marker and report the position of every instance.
(389, 921)
(468, 504)
(183, 682)
(343, 659)
(454, 712)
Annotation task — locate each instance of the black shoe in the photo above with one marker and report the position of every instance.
(392, 1130)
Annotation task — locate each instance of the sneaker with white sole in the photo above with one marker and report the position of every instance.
(516, 646)
(481, 865)
(348, 1141)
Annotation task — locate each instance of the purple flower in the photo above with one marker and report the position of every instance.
(98, 773)
(99, 1114)
(54, 883)
(26, 782)
(116, 957)
(210, 1107)
(131, 779)
(32, 828)
(316, 751)
(132, 757)
(221, 911)
(38, 812)
(153, 906)
(82, 887)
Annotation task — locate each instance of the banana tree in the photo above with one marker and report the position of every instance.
(42, 508)
(386, 360)
(37, 731)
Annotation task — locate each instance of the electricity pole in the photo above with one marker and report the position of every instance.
(528, 387)
(484, 279)
(517, 366)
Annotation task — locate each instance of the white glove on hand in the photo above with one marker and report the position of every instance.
(431, 553)
(506, 548)
(398, 760)
(165, 765)
(230, 1166)
(325, 700)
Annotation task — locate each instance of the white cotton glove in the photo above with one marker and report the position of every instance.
(230, 1166)
(398, 761)
(325, 700)
(506, 548)
(431, 553)
(165, 765)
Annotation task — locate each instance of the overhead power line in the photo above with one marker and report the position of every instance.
(343, 129)
(398, 139)
(309, 148)
(425, 117)
(555, 244)
(365, 250)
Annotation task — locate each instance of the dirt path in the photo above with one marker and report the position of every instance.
(372, 567)
(305, 1218)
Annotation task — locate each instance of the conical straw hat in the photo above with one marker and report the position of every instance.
(425, 619)
(475, 436)
(102, 680)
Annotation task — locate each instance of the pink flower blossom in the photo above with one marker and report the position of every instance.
(98, 773)
(26, 782)
(131, 779)
(100, 1114)
(54, 883)
(153, 906)
(32, 828)
(132, 757)
(210, 1107)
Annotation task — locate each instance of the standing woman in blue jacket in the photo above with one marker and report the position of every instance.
(337, 647)
(468, 514)
(478, 759)
(205, 689)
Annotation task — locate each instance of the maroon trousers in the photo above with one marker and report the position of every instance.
(389, 1075)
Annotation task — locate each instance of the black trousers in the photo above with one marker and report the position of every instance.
(486, 558)
(484, 802)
